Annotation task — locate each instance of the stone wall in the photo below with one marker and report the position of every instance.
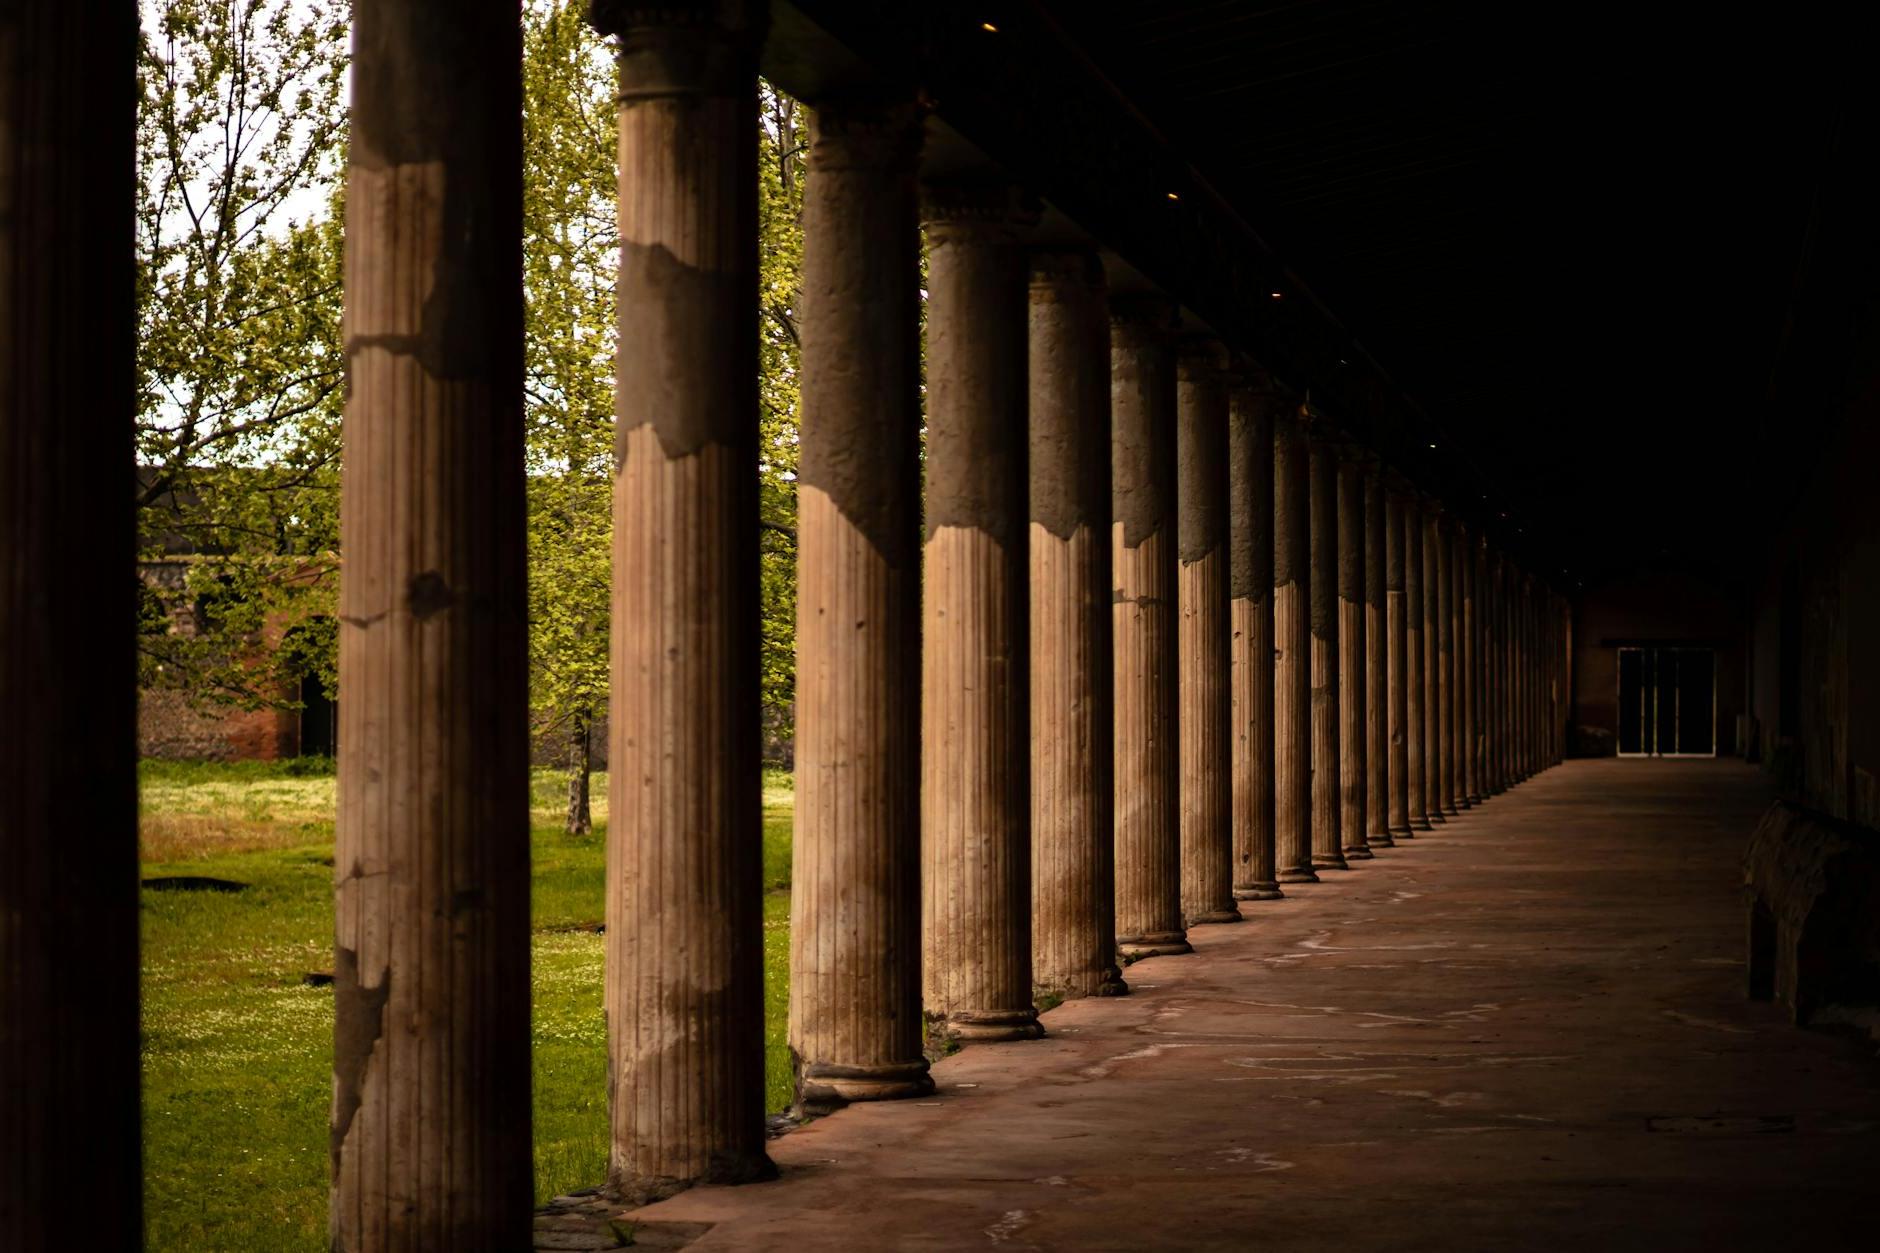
(168, 726)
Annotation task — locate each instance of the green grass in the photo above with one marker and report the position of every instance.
(238, 1049)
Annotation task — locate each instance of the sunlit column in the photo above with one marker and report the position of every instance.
(855, 1027)
(684, 983)
(1072, 798)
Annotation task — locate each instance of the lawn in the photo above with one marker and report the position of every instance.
(238, 1043)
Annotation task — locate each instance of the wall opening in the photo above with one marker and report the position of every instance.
(1667, 702)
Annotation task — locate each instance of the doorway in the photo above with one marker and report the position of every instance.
(1667, 702)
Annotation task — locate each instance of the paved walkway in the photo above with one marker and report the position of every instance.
(1525, 1030)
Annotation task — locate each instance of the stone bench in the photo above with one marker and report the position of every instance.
(1813, 895)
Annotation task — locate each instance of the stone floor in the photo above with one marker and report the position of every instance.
(1524, 1030)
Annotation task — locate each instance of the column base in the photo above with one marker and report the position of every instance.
(1402, 833)
(1263, 890)
(1329, 861)
(1111, 984)
(1215, 916)
(1359, 852)
(1154, 944)
(1452, 810)
(1380, 839)
(995, 1026)
(1299, 875)
(637, 1190)
(824, 1086)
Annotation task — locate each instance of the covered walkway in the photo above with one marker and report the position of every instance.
(1525, 1029)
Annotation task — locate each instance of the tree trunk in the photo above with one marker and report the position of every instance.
(581, 763)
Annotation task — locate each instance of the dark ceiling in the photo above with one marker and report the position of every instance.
(1570, 232)
(1572, 236)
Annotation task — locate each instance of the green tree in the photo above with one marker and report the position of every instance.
(570, 255)
(240, 129)
(782, 146)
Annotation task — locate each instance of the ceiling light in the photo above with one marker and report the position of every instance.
(1279, 295)
(1173, 196)
(988, 26)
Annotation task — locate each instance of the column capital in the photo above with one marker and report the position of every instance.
(1149, 312)
(1315, 426)
(683, 47)
(1247, 375)
(866, 132)
(1202, 358)
(976, 208)
(1060, 265)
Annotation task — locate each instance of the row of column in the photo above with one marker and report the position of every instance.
(1154, 640)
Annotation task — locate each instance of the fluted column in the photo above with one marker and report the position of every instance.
(1353, 716)
(1205, 701)
(430, 1114)
(1252, 406)
(1511, 669)
(1445, 665)
(1491, 686)
(1416, 695)
(70, 1136)
(1517, 676)
(1324, 597)
(975, 804)
(1144, 535)
(855, 887)
(1073, 877)
(1471, 680)
(1527, 675)
(1398, 732)
(684, 994)
(1529, 713)
(1377, 749)
(1292, 649)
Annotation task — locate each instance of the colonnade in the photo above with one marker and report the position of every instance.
(1156, 640)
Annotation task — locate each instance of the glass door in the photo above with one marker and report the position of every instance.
(1667, 702)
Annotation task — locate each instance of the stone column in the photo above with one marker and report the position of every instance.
(1471, 680)
(1525, 679)
(1456, 787)
(1205, 703)
(1491, 686)
(1252, 406)
(1530, 688)
(1377, 748)
(855, 889)
(430, 1114)
(1324, 597)
(1517, 697)
(1144, 533)
(685, 1004)
(70, 1134)
(1506, 668)
(1292, 648)
(1073, 873)
(1416, 701)
(975, 804)
(1445, 665)
(1353, 720)
(1398, 730)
